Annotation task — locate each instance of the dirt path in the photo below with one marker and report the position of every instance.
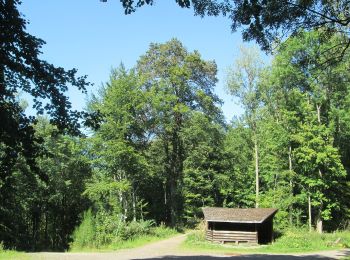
(153, 250)
(169, 250)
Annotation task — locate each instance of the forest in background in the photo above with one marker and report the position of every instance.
(163, 150)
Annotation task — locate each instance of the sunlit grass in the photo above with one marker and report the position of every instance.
(10, 254)
(291, 241)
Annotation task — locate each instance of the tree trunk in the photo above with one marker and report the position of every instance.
(133, 203)
(2, 80)
(167, 213)
(173, 211)
(256, 172)
(319, 221)
(120, 193)
(290, 184)
(165, 197)
(46, 228)
(141, 210)
(173, 180)
(309, 207)
(318, 107)
(176, 172)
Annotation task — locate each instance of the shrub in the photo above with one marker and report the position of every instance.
(110, 231)
(135, 229)
(84, 234)
(108, 227)
(162, 231)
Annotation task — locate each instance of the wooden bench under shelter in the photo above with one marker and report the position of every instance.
(253, 225)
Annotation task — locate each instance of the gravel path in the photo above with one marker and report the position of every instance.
(169, 250)
(150, 251)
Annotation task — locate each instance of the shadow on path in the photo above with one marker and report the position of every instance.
(337, 255)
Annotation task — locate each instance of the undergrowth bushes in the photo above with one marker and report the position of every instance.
(302, 240)
(135, 229)
(84, 234)
(110, 232)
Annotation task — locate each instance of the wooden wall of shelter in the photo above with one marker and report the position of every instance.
(239, 225)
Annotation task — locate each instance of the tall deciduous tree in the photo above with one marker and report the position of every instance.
(181, 82)
(119, 145)
(145, 112)
(243, 83)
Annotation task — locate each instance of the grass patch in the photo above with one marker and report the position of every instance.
(11, 254)
(303, 241)
(291, 241)
(156, 234)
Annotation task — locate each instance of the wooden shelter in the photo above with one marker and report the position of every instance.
(239, 225)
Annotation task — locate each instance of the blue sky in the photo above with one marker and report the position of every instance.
(94, 37)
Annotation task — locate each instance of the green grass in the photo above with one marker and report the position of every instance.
(10, 254)
(292, 241)
(158, 233)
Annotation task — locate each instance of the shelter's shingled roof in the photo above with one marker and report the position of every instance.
(236, 215)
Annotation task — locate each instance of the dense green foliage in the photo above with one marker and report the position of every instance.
(163, 149)
(151, 114)
(304, 99)
(32, 160)
(86, 237)
(38, 214)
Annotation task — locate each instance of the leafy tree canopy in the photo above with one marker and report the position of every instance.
(266, 21)
(22, 71)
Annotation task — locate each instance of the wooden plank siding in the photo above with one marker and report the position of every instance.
(232, 236)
